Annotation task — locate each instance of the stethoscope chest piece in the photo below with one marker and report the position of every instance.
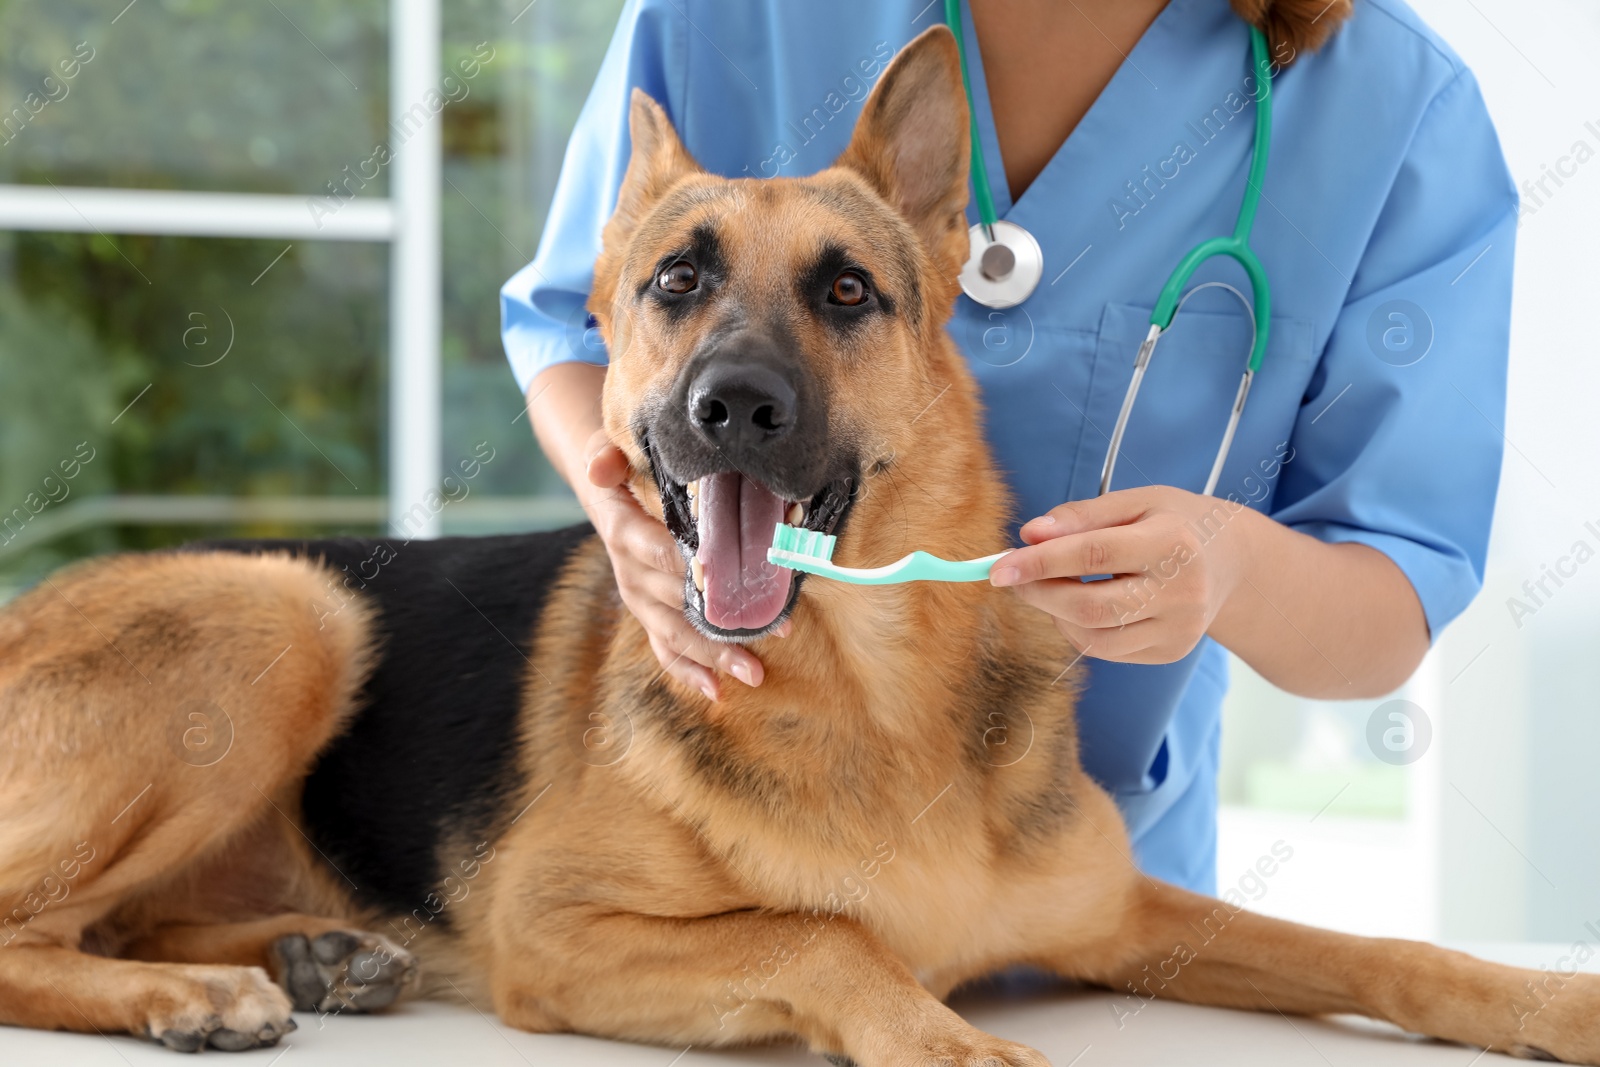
(1003, 271)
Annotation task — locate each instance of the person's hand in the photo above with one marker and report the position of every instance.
(649, 571)
(1175, 558)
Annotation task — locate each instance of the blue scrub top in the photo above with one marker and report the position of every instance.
(1386, 226)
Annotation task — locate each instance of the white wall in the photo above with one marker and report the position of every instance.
(1501, 839)
(1522, 724)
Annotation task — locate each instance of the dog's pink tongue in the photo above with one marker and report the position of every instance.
(743, 591)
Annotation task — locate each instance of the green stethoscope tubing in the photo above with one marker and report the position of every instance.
(1236, 246)
(980, 173)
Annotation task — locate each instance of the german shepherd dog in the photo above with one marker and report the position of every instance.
(250, 778)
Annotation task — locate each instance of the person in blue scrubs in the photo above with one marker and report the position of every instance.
(1119, 133)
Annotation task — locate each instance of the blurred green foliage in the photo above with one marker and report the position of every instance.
(196, 94)
(216, 386)
(274, 97)
(503, 147)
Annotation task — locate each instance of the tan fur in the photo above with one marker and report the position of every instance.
(103, 833)
(898, 809)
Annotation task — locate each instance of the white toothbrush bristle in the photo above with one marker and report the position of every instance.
(805, 544)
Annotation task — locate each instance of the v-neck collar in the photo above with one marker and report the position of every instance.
(1138, 73)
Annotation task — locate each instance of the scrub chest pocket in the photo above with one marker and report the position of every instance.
(1183, 406)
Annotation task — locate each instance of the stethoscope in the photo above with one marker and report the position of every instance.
(1005, 263)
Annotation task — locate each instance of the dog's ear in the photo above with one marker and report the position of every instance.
(659, 160)
(912, 144)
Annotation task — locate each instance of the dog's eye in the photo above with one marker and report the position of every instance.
(679, 278)
(849, 289)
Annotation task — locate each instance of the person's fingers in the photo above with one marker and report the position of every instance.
(1118, 550)
(676, 636)
(608, 473)
(1139, 642)
(741, 664)
(685, 670)
(634, 534)
(685, 643)
(607, 465)
(608, 469)
(658, 587)
(1089, 605)
(647, 541)
(604, 506)
(1078, 516)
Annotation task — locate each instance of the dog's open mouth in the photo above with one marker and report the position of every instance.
(723, 524)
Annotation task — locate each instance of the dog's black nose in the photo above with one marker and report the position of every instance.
(738, 406)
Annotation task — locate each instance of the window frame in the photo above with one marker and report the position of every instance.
(409, 220)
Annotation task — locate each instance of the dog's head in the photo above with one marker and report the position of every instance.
(773, 340)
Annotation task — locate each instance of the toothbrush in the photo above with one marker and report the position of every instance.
(812, 550)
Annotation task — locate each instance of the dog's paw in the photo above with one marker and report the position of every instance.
(1563, 1027)
(979, 1049)
(954, 1044)
(343, 970)
(228, 1008)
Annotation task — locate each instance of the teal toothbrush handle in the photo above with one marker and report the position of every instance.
(917, 567)
(925, 567)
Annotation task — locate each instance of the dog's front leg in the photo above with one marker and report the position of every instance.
(736, 977)
(184, 1006)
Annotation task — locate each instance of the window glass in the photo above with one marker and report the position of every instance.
(202, 368)
(275, 97)
(503, 145)
(198, 387)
